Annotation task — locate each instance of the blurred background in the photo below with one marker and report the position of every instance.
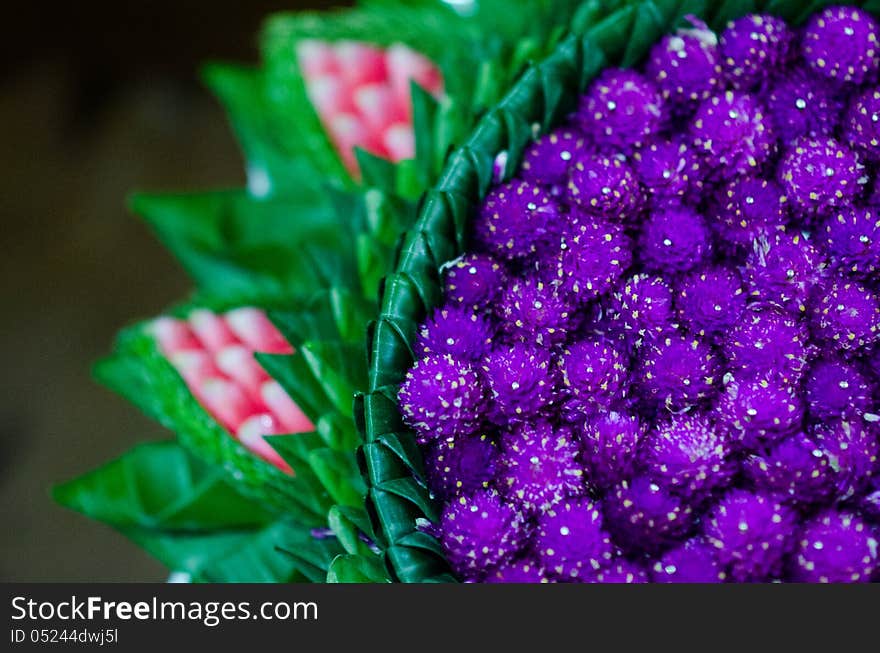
(96, 99)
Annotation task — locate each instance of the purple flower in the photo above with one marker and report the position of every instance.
(710, 300)
(833, 387)
(620, 110)
(674, 239)
(751, 533)
(677, 371)
(520, 381)
(688, 456)
(547, 160)
(695, 561)
(782, 268)
(766, 339)
(570, 540)
(800, 104)
(851, 237)
(685, 66)
(643, 303)
(593, 254)
(611, 444)
(474, 280)
(669, 170)
(852, 448)
(760, 409)
(861, 124)
(480, 531)
(748, 208)
(820, 174)
(795, 470)
(840, 43)
(442, 397)
(752, 48)
(524, 570)
(835, 547)
(845, 314)
(606, 186)
(540, 466)
(460, 466)
(514, 219)
(642, 516)
(620, 572)
(730, 131)
(459, 332)
(536, 311)
(593, 375)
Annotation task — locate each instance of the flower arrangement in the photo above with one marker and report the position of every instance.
(623, 263)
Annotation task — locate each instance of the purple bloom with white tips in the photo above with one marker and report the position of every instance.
(841, 44)
(571, 541)
(642, 516)
(783, 268)
(752, 47)
(611, 445)
(801, 104)
(695, 561)
(674, 239)
(835, 547)
(461, 465)
(515, 218)
(861, 124)
(833, 387)
(474, 280)
(795, 470)
(760, 410)
(845, 314)
(748, 208)
(853, 449)
(593, 375)
(819, 174)
(851, 237)
(685, 66)
(548, 159)
(642, 303)
(606, 186)
(525, 570)
(710, 300)
(459, 332)
(668, 170)
(621, 109)
(766, 339)
(677, 371)
(534, 310)
(520, 381)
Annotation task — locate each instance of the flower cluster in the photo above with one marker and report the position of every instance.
(659, 363)
(214, 354)
(362, 94)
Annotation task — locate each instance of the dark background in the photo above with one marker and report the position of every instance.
(96, 99)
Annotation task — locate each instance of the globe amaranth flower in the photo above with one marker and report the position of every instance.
(783, 268)
(730, 131)
(539, 466)
(835, 547)
(674, 239)
(676, 371)
(870, 504)
(767, 339)
(710, 300)
(669, 171)
(845, 314)
(861, 124)
(752, 48)
(459, 332)
(473, 280)
(461, 465)
(801, 104)
(852, 447)
(593, 254)
(760, 409)
(479, 531)
(794, 470)
(685, 67)
(524, 570)
(689, 456)
(442, 397)
(644, 517)
(548, 159)
(593, 374)
(620, 572)
(514, 219)
(536, 311)
(851, 236)
(747, 208)
(520, 381)
(694, 561)
(833, 387)
(820, 174)
(642, 303)
(752, 533)
(620, 110)
(611, 444)
(606, 186)
(570, 539)
(840, 43)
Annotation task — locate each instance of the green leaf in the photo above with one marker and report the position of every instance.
(339, 473)
(160, 486)
(356, 569)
